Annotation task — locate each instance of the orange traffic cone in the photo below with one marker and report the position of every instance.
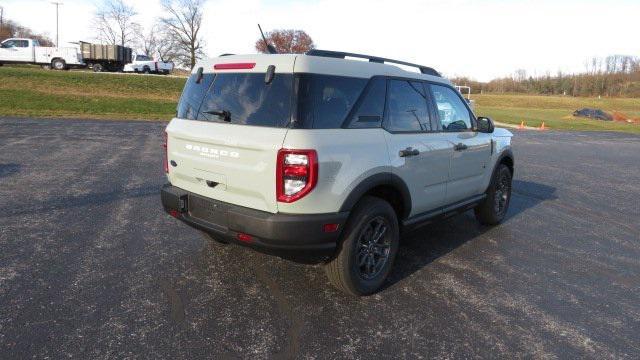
(521, 125)
(542, 127)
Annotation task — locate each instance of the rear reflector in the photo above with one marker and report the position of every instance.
(244, 237)
(174, 213)
(234, 66)
(329, 228)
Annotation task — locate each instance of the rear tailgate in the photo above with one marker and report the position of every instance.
(231, 163)
(232, 157)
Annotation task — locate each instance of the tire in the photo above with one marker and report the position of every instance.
(493, 209)
(98, 68)
(146, 70)
(213, 239)
(355, 269)
(58, 64)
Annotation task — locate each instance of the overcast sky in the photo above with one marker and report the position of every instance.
(480, 39)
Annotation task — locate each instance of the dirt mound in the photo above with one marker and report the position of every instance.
(618, 116)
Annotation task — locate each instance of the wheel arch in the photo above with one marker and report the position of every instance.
(387, 186)
(506, 158)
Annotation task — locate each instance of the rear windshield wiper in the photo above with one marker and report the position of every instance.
(223, 114)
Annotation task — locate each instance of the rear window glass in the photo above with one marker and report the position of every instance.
(246, 99)
(192, 96)
(324, 101)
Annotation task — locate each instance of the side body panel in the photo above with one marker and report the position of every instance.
(44, 55)
(468, 166)
(346, 157)
(425, 174)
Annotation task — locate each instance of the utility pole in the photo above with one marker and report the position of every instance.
(57, 4)
(1, 19)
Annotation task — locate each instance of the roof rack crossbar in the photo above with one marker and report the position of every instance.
(375, 59)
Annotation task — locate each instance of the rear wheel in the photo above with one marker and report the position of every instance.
(368, 250)
(98, 68)
(59, 64)
(494, 207)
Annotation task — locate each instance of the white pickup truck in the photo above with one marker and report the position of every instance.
(29, 51)
(145, 64)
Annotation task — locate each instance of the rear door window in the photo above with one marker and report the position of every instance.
(246, 99)
(407, 109)
(324, 101)
(192, 96)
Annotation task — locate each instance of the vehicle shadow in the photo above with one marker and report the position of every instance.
(425, 245)
(9, 169)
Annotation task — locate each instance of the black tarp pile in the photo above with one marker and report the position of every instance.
(593, 114)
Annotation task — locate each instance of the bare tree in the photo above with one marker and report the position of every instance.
(287, 41)
(114, 22)
(183, 25)
(148, 42)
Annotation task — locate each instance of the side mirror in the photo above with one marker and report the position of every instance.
(485, 125)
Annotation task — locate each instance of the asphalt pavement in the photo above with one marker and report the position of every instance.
(92, 268)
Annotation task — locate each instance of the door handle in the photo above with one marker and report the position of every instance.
(460, 147)
(409, 152)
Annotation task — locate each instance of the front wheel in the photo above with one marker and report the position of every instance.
(493, 209)
(368, 250)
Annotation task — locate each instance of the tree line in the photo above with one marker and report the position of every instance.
(612, 76)
(11, 29)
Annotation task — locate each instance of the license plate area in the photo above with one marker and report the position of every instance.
(210, 211)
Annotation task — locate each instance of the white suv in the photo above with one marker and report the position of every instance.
(319, 158)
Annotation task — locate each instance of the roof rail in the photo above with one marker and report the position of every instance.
(341, 55)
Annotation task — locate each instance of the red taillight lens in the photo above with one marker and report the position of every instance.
(234, 66)
(165, 160)
(296, 174)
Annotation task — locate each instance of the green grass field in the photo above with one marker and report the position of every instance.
(32, 92)
(556, 111)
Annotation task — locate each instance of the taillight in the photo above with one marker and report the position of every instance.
(296, 174)
(165, 161)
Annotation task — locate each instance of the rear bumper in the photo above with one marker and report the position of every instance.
(296, 237)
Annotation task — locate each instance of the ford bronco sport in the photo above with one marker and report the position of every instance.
(326, 158)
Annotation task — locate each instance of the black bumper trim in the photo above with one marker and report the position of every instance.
(296, 237)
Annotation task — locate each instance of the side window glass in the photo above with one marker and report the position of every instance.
(453, 114)
(8, 44)
(371, 108)
(406, 106)
(23, 43)
(324, 101)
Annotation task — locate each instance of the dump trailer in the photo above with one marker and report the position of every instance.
(105, 57)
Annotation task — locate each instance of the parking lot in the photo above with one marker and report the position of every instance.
(91, 267)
